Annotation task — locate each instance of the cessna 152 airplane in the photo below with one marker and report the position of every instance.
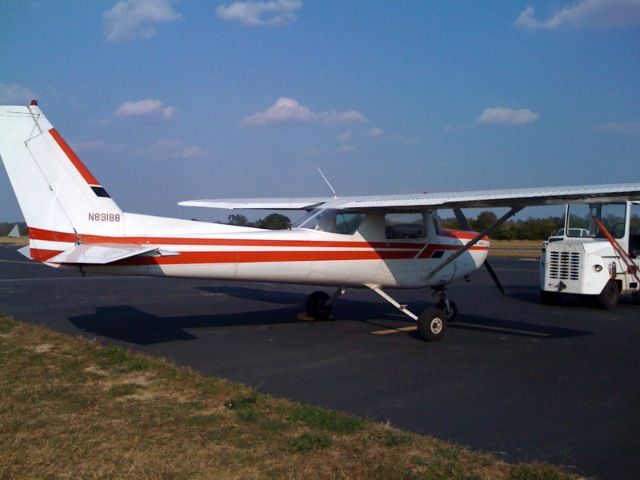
(373, 242)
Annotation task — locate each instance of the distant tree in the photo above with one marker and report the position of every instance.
(238, 220)
(274, 221)
(484, 220)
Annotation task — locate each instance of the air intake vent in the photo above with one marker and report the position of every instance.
(564, 265)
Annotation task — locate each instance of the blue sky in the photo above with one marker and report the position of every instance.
(175, 100)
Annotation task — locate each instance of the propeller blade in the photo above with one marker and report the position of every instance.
(495, 278)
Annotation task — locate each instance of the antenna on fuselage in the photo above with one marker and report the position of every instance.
(335, 195)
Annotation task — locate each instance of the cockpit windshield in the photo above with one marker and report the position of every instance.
(331, 220)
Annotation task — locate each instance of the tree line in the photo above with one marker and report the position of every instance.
(529, 229)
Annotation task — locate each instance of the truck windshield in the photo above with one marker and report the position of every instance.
(613, 216)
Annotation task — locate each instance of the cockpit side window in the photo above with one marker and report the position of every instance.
(331, 221)
(404, 225)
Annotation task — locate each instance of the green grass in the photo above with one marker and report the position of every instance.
(71, 408)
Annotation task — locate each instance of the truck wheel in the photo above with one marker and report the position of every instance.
(432, 323)
(550, 298)
(636, 297)
(609, 296)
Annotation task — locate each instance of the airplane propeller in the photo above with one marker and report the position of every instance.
(464, 223)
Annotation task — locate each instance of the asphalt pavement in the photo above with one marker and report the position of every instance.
(526, 381)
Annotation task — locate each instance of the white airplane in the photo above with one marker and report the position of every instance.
(374, 242)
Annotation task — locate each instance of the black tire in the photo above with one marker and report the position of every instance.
(550, 298)
(432, 324)
(636, 297)
(453, 310)
(317, 305)
(609, 296)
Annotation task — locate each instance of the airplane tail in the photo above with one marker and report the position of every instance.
(59, 197)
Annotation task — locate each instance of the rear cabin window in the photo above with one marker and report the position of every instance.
(404, 225)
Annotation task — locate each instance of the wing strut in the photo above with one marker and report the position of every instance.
(476, 239)
(464, 223)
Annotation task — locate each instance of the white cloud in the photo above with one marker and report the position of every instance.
(145, 107)
(14, 93)
(289, 111)
(629, 128)
(129, 19)
(344, 149)
(375, 132)
(177, 149)
(585, 13)
(273, 12)
(507, 116)
(344, 137)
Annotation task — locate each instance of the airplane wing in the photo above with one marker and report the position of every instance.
(101, 254)
(517, 197)
(514, 198)
(306, 203)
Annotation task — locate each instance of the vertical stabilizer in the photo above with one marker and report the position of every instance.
(58, 195)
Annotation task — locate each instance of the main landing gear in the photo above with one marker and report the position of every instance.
(432, 322)
(320, 304)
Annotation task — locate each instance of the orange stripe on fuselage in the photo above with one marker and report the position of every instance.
(463, 234)
(82, 170)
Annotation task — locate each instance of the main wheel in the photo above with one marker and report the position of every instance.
(550, 298)
(318, 306)
(432, 323)
(451, 312)
(636, 297)
(609, 296)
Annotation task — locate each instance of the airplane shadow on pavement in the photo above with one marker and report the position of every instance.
(132, 325)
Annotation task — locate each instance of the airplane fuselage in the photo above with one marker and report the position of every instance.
(300, 255)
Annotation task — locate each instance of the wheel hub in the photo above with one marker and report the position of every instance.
(436, 325)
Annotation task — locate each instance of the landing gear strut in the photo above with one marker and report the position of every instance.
(449, 308)
(432, 322)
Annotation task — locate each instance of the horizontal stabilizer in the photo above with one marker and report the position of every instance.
(101, 254)
(306, 203)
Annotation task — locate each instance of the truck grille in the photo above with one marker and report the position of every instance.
(564, 265)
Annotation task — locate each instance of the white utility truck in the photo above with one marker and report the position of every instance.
(603, 263)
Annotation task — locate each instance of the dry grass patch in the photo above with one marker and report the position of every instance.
(516, 248)
(77, 409)
(14, 240)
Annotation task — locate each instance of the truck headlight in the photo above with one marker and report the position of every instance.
(597, 268)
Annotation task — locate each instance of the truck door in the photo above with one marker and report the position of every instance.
(634, 231)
